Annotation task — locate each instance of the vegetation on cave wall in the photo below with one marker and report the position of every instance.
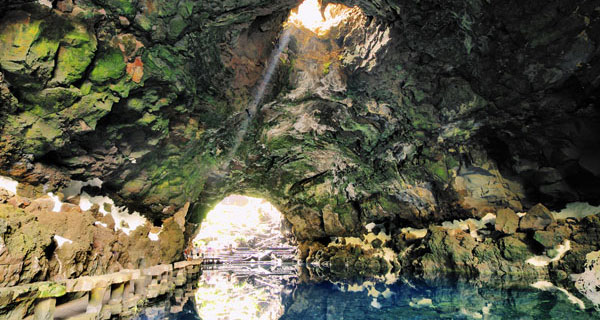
(117, 90)
(148, 96)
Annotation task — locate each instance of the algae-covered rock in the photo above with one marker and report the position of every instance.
(514, 249)
(78, 47)
(109, 66)
(589, 231)
(27, 48)
(54, 99)
(548, 239)
(90, 109)
(51, 290)
(121, 7)
(489, 257)
(448, 252)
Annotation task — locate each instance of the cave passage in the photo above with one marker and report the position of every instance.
(243, 229)
(299, 159)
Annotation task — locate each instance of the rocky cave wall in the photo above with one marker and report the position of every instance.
(416, 113)
(426, 112)
(128, 92)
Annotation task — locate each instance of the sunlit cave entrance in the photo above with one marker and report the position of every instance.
(243, 229)
(257, 260)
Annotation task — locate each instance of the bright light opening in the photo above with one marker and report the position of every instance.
(240, 221)
(246, 233)
(311, 15)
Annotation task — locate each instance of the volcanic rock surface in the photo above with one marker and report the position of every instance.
(408, 114)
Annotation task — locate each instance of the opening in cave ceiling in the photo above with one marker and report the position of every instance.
(312, 15)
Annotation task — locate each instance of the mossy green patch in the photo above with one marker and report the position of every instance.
(422, 119)
(76, 53)
(110, 66)
(123, 87)
(135, 104)
(144, 22)
(440, 171)
(16, 38)
(368, 133)
(54, 99)
(51, 290)
(186, 8)
(166, 8)
(86, 88)
(154, 122)
(326, 68)
(176, 27)
(514, 249)
(178, 173)
(281, 144)
(122, 7)
(42, 49)
(167, 64)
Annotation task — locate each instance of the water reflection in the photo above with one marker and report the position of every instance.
(419, 299)
(245, 292)
(292, 293)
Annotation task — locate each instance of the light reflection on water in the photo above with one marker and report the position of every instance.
(290, 292)
(244, 292)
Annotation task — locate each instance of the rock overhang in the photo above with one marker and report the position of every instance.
(373, 146)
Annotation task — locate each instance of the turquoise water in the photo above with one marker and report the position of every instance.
(290, 294)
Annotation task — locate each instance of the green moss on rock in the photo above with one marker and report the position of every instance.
(121, 7)
(27, 49)
(514, 249)
(18, 34)
(77, 50)
(438, 170)
(176, 27)
(123, 87)
(186, 8)
(54, 99)
(110, 66)
(548, 239)
(43, 135)
(166, 64)
(448, 252)
(51, 290)
(156, 123)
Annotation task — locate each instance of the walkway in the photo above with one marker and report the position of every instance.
(95, 297)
